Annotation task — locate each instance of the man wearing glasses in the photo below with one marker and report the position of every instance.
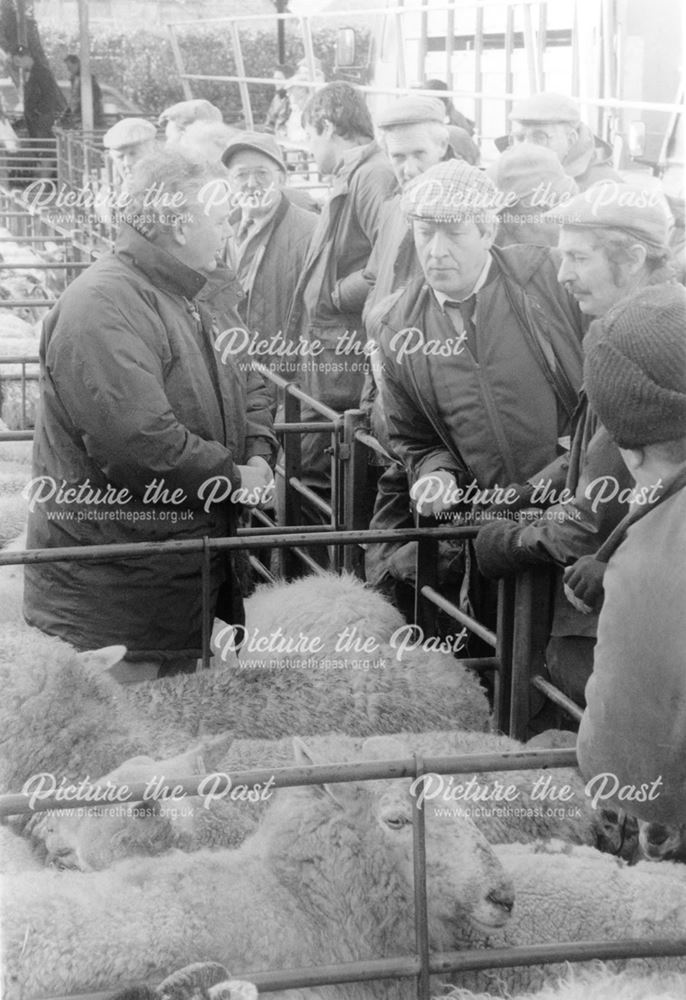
(553, 120)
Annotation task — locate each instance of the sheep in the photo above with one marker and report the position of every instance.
(598, 982)
(662, 842)
(15, 852)
(199, 981)
(574, 893)
(327, 878)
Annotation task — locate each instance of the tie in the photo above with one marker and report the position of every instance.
(466, 310)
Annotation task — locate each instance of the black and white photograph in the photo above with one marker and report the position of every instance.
(342, 500)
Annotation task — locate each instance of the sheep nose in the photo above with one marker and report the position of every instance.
(657, 834)
(502, 898)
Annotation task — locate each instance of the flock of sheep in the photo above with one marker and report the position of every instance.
(294, 877)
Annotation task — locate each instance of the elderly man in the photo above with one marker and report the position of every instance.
(614, 240)
(554, 120)
(129, 141)
(326, 310)
(270, 245)
(480, 357)
(632, 735)
(146, 433)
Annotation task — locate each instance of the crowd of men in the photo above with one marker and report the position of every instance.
(515, 336)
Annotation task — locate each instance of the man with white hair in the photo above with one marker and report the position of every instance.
(146, 433)
(480, 357)
(613, 242)
(176, 118)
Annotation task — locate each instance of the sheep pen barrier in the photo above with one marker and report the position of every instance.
(421, 965)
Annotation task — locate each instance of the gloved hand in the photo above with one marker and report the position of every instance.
(497, 549)
(432, 493)
(583, 584)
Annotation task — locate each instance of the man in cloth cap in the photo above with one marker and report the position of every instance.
(554, 120)
(271, 239)
(480, 357)
(632, 737)
(614, 240)
(129, 141)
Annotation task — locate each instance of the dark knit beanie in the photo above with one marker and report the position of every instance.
(635, 367)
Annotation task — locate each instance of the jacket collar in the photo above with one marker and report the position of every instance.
(161, 268)
(351, 160)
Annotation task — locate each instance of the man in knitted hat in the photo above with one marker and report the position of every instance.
(632, 738)
(554, 120)
(613, 241)
(480, 357)
(129, 141)
(270, 242)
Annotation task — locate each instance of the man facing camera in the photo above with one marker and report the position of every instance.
(145, 434)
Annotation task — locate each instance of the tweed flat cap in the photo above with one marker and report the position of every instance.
(640, 212)
(526, 168)
(635, 367)
(260, 142)
(449, 192)
(411, 111)
(545, 107)
(186, 112)
(129, 132)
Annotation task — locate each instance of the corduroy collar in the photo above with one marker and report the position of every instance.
(164, 270)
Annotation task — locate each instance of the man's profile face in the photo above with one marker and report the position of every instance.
(557, 136)
(125, 157)
(322, 147)
(255, 181)
(412, 149)
(586, 272)
(452, 254)
(205, 231)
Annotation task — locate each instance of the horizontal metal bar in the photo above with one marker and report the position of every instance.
(287, 777)
(471, 623)
(16, 436)
(43, 265)
(87, 553)
(11, 303)
(20, 359)
(481, 663)
(558, 698)
(303, 427)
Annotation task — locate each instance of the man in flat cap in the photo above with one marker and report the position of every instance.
(632, 731)
(613, 241)
(176, 118)
(554, 120)
(271, 239)
(129, 141)
(480, 357)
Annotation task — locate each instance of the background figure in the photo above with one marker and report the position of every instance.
(43, 100)
(532, 179)
(129, 141)
(452, 115)
(206, 141)
(72, 117)
(280, 108)
(177, 117)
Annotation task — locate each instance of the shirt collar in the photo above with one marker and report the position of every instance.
(442, 298)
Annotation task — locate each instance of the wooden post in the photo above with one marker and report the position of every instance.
(85, 57)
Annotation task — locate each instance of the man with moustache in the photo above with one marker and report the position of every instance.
(480, 356)
(271, 238)
(614, 241)
(137, 406)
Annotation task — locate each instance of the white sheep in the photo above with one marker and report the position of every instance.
(15, 852)
(572, 893)
(598, 982)
(327, 878)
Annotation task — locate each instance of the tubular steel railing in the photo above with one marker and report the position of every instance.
(422, 964)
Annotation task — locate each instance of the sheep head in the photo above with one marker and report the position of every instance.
(662, 842)
(314, 832)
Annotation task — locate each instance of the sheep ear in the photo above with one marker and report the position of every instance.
(100, 660)
(305, 759)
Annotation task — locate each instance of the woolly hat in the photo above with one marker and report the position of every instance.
(635, 367)
(450, 191)
(259, 142)
(639, 212)
(526, 168)
(411, 111)
(129, 132)
(545, 107)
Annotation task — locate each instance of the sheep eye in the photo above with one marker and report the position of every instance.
(397, 822)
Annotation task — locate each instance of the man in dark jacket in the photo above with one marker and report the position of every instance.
(325, 314)
(270, 243)
(145, 434)
(73, 117)
(43, 99)
(614, 240)
(480, 359)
